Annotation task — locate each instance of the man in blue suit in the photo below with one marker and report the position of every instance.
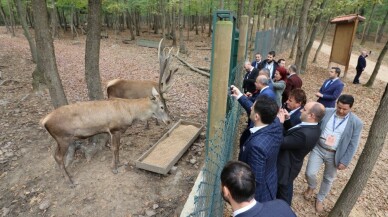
(247, 102)
(295, 102)
(261, 149)
(331, 89)
(238, 189)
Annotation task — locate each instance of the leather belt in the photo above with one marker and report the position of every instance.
(327, 149)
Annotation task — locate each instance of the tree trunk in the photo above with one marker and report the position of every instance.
(64, 21)
(182, 47)
(381, 31)
(5, 19)
(209, 33)
(377, 67)
(54, 20)
(366, 29)
(92, 71)
(22, 14)
(312, 37)
(130, 24)
(302, 31)
(173, 26)
(137, 21)
(322, 40)
(163, 13)
(46, 54)
(11, 18)
(196, 23)
(92, 51)
(240, 10)
(368, 158)
(294, 45)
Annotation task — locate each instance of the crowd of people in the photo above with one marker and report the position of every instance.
(282, 129)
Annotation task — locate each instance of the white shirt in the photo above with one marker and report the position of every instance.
(337, 131)
(264, 88)
(254, 129)
(245, 208)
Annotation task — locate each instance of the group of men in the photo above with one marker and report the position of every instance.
(276, 141)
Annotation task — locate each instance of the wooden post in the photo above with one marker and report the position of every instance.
(242, 43)
(219, 89)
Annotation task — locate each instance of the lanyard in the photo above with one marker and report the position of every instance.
(343, 120)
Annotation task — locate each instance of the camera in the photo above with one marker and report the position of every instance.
(231, 90)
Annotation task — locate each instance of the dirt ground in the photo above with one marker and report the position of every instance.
(32, 185)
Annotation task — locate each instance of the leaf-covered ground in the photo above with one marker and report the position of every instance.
(31, 184)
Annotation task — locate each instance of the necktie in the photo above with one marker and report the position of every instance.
(329, 83)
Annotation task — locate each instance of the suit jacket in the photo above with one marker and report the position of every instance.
(260, 152)
(350, 139)
(247, 102)
(274, 208)
(293, 121)
(292, 82)
(361, 63)
(255, 64)
(297, 143)
(264, 63)
(330, 93)
(249, 81)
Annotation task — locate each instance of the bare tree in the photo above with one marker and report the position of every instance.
(22, 14)
(377, 66)
(46, 54)
(367, 25)
(373, 147)
(302, 29)
(182, 47)
(381, 31)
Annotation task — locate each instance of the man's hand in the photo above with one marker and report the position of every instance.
(318, 94)
(235, 91)
(282, 115)
(248, 94)
(341, 166)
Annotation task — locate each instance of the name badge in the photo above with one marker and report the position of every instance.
(330, 140)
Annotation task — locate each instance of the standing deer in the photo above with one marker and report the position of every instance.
(135, 89)
(85, 119)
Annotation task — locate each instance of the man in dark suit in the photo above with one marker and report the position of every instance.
(261, 149)
(293, 82)
(250, 78)
(361, 64)
(238, 189)
(270, 64)
(247, 102)
(297, 143)
(257, 61)
(331, 89)
(295, 103)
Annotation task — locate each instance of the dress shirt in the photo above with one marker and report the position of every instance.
(337, 131)
(254, 129)
(245, 208)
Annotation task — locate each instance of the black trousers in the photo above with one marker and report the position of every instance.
(358, 74)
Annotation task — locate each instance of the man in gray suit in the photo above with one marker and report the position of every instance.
(341, 131)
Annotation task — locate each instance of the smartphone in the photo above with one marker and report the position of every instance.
(231, 90)
(284, 105)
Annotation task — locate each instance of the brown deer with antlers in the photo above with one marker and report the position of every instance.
(85, 119)
(135, 89)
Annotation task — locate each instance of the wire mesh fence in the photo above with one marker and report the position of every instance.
(208, 201)
(277, 40)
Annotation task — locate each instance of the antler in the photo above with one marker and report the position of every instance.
(165, 73)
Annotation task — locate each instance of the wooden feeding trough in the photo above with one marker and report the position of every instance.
(170, 148)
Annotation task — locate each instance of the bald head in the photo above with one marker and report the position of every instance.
(264, 71)
(317, 110)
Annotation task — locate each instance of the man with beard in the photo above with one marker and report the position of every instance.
(238, 189)
(269, 64)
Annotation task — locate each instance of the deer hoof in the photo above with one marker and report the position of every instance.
(115, 171)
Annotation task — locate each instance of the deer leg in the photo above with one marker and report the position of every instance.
(147, 127)
(63, 145)
(115, 150)
(157, 122)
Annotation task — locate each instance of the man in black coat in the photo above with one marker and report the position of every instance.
(249, 78)
(298, 141)
(269, 64)
(361, 64)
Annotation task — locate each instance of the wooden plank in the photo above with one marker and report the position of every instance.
(151, 165)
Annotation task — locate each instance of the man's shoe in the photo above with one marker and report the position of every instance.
(318, 206)
(308, 194)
